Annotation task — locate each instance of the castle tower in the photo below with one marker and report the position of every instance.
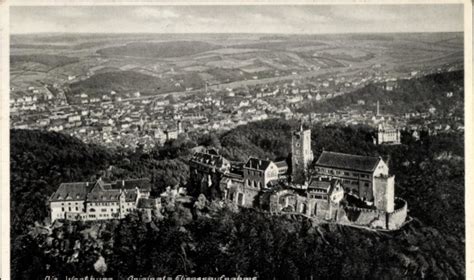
(384, 193)
(301, 154)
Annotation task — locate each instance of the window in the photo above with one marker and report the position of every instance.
(346, 173)
(104, 210)
(69, 209)
(240, 199)
(62, 209)
(366, 184)
(77, 208)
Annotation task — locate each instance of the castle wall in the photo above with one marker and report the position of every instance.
(323, 209)
(241, 195)
(292, 202)
(249, 197)
(254, 178)
(365, 217)
(399, 216)
(377, 218)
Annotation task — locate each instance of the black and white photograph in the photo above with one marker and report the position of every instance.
(161, 141)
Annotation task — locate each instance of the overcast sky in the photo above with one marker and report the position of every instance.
(238, 19)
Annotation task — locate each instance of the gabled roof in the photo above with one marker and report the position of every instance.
(143, 184)
(317, 184)
(209, 159)
(347, 161)
(71, 191)
(130, 195)
(259, 164)
(105, 196)
(101, 190)
(322, 183)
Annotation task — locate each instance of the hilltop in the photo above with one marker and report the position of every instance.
(432, 246)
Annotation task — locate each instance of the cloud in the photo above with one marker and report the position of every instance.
(155, 13)
(238, 18)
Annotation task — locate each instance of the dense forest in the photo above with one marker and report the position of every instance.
(208, 239)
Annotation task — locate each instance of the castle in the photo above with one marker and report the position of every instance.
(337, 187)
(101, 200)
(342, 188)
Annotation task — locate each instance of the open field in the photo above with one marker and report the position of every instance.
(173, 62)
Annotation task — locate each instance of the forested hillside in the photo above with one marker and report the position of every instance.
(216, 241)
(408, 96)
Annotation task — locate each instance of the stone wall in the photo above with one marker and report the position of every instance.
(399, 216)
(376, 218)
(365, 217)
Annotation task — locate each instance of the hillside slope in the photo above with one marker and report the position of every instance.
(414, 95)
